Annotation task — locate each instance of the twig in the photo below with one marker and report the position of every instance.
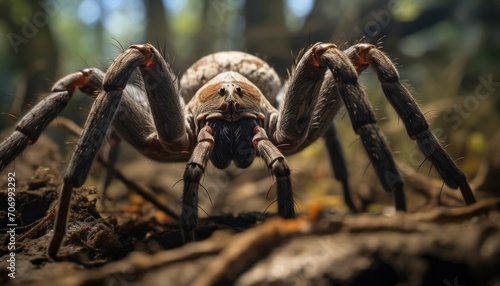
(246, 248)
(234, 255)
(448, 215)
(39, 225)
(147, 195)
(140, 262)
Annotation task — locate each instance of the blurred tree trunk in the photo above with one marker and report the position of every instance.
(157, 31)
(267, 34)
(207, 32)
(34, 49)
(317, 26)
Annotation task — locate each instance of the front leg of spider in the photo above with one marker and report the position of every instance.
(416, 125)
(363, 119)
(276, 162)
(161, 93)
(195, 169)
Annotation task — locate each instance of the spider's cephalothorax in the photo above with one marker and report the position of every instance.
(232, 107)
(232, 115)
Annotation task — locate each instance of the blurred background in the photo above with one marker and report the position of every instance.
(446, 51)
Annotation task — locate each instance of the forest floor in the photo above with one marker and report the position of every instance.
(131, 242)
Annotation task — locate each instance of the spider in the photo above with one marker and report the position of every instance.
(232, 115)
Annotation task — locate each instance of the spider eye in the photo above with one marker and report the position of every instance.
(238, 89)
(222, 91)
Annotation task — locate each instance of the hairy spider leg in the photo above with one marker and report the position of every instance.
(276, 162)
(364, 122)
(416, 125)
(31, 126)
(338, 162)
(327, 107)
(173, 137)
(312, 97)
(195, 169)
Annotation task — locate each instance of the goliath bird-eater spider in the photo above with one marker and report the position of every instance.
(232, 115)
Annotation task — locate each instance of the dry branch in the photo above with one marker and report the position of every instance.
(230, 256)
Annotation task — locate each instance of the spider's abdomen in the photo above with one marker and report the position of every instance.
(233, 142)
(251, 67)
